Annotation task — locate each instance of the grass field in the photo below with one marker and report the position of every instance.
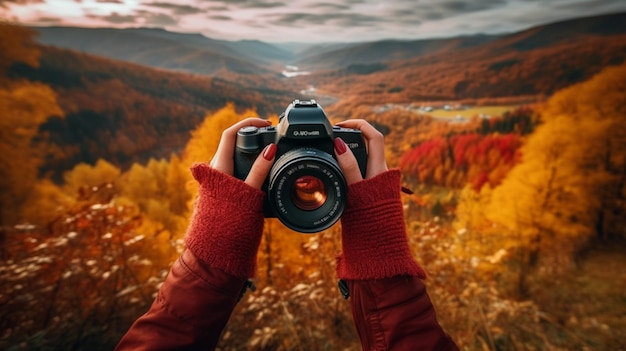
(587, 304)
(472, 111)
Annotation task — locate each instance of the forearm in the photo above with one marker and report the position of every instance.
(396, 314)
(227, 224)
(390, 306)
(190, 311)
(374, 239)
(198, 296)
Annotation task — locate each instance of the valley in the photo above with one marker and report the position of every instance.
(513, 147)
(153, 78)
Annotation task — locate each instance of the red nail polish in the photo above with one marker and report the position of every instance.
(269, 152)
(340, 146)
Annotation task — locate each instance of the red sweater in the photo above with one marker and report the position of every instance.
(390, 306)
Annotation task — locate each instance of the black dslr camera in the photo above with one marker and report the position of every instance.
(305, 188)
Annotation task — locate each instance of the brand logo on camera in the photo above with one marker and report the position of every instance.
(306, 133)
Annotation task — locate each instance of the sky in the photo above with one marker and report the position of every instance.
(308, 21)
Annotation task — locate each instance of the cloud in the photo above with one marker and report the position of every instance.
(523, 14)
(581, 6)
(264, 5)
(330, 6)
(220, 18)
(458, 7)
(253, 4)
(158, 19)
(115, 18)
(142, 17)
(324, 20)
(412, 12)
(305, 18)
(50, 20)
(175, 8)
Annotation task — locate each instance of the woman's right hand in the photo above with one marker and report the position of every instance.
(375, 144)
(223, 158)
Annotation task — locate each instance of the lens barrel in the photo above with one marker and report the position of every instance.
(307, 190)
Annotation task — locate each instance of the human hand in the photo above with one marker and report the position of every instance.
(227, 222)
(223, 158)
(373, 239)
(375, 144)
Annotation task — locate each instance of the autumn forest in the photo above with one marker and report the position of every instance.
(519, 218)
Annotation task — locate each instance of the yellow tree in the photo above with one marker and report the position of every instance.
(177, 179)
(24, 106)
(23, 109)
(571, 175)
(85, 175)
(598, 108)
(45, 203)
(205, 139)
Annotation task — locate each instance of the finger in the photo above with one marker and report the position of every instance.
(347, 162)
(222, 160)
(229, 135)
(261, 167)
(375, 141)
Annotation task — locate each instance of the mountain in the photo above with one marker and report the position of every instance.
(168, 50)
(339, 56)
(563, 32)
(151, 111)
(329, 57)
(238, 59)
(534, 62)
(126, 113)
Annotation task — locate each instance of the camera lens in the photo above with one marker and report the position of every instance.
(308, 193)
(307, 190)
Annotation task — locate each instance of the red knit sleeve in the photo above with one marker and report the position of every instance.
(227, 222)
(374, 239)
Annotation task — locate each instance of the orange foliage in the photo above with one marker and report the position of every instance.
(16, 45)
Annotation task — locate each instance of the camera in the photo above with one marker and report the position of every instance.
(306, 189)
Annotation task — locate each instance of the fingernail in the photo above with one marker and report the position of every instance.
(269, 152)
(340, 146)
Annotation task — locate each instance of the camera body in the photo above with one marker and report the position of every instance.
(305, 188)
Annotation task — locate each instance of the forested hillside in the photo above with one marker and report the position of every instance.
(533, 63)
(364, 54)
(155, 47)
(127, 113)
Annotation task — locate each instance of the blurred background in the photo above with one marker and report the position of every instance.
(507, 119)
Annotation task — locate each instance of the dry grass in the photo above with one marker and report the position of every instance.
(587, 304)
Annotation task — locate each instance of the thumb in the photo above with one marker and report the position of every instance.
(347, 162)
(261, 167)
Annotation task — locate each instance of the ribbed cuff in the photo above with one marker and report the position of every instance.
(227, 222)
(374, 239)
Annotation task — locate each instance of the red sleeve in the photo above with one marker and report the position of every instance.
(396, 314)
(390, 306)
(200, 292)
(190, 311)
